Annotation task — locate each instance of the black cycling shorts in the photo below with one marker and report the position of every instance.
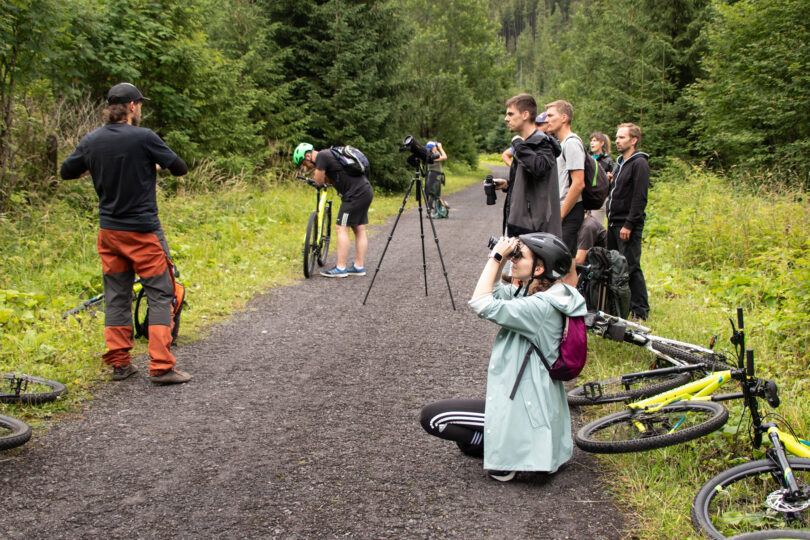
(353, 209)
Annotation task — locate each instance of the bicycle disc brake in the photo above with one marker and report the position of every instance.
(777, 500)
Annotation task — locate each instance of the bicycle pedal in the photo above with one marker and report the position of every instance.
(592, 390)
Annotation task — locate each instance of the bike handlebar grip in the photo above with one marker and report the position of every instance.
(749, 362)
(739, 318)
(771, 394)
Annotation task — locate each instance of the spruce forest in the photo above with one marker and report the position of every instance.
(235, 84)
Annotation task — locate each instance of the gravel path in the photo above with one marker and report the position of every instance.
(302, 421)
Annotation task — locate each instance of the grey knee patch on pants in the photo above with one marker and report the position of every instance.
(118, 298)
(159, 295)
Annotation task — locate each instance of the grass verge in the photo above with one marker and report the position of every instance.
(228, 244)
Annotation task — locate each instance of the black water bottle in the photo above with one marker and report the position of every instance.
(489, 189)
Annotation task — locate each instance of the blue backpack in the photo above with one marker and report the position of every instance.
(354, 162)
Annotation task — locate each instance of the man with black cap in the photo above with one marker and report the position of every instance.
(122, 159)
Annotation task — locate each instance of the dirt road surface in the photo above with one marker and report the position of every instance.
(302, 421)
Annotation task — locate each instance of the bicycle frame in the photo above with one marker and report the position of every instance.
(320, 204)
(622, 330)
(699, 390)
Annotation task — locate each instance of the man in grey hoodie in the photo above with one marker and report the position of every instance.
(532, 195)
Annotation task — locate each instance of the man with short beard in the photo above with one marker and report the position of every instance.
(625, 211)
(123, 160)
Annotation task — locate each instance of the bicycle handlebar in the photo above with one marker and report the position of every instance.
(310, 181)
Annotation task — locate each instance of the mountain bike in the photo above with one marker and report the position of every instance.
(319, 229)
(764, 494)
(680, 414)
(676, 354)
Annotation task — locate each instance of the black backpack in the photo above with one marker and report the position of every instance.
(604, 283)
(354, 162)
(597, 184)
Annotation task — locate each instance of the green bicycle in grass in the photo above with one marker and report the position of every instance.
(758, 496)
(319, 229)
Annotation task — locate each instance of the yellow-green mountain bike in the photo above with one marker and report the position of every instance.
(319, 229)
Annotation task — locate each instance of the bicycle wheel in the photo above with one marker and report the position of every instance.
(774, 534)
(13, 432)
(615, 389)
(636, 431)
(310, 246)
(326, 235)
(19, 388)
(748, 498)
(691, 356)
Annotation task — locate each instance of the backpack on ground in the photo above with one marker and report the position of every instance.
(441, 209)
(573, 353)
(597, 184)
(178, 303)
(605, 282)
(354, 162)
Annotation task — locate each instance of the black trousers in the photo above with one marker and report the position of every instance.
(571, 225)
(459, 420)
(639, 304)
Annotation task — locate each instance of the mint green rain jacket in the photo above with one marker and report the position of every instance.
(533, 431)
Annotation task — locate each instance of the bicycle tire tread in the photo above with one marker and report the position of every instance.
(585, 442)
(699, 511)
(57, 389)
(20, 433)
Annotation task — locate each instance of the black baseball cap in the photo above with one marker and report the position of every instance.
(124, 93)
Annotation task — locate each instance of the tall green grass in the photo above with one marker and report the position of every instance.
(228, 244)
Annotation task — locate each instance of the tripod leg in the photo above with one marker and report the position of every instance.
(390, 236)
(441, 259)
(420, 191)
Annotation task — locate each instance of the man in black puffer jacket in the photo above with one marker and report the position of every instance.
(532, 194)
(625, 210)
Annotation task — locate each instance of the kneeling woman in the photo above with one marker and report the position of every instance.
(530, 431)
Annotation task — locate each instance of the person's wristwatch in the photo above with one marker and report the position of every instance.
(495, 255)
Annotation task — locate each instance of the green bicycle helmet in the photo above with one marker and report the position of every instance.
(300, 151)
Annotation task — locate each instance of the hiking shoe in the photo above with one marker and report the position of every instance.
(502, 476)
(172, 376)
(335, 272)
(354, 271)
(122, 372)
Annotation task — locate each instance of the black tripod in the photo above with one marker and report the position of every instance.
(420, 194)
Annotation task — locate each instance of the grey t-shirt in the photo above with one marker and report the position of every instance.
(572, 158)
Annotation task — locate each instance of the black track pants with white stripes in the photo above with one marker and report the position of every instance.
(459, 420)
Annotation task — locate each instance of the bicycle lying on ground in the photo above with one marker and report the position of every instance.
(319, 228)
(677, 354)
(765, 494)
(19, 388)
(677, 415)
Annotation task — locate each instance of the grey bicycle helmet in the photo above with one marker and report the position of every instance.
(552, 251)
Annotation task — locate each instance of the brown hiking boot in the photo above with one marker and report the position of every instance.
(172, 376)
(122, 372)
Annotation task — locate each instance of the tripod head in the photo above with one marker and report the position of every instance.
(419, 154)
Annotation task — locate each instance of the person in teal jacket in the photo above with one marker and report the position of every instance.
(531, 432)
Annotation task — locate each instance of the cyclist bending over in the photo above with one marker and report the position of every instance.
(355, 194)
(531, 432)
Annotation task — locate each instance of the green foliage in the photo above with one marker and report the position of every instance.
(753, 104)
(754, 252)
(453, 70)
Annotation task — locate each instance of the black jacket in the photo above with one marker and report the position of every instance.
(628, 194)
(532, 197)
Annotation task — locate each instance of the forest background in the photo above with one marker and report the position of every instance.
(721, 90)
